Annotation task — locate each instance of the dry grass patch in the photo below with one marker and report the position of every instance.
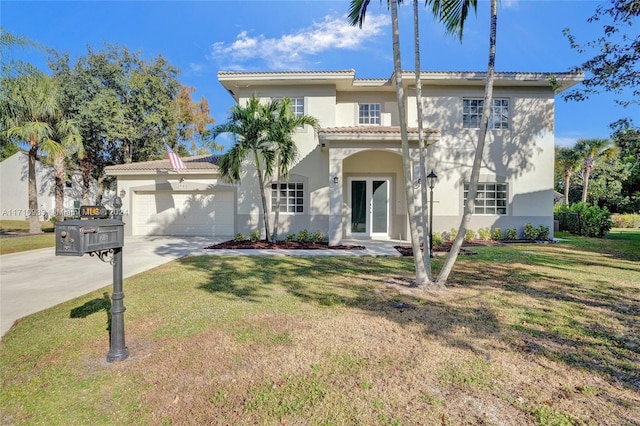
(536, 334)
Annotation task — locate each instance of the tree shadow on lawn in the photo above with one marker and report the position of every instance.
(568, 329)
(339, 281)
(592, 325)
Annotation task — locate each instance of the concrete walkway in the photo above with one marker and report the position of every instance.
(35, 280)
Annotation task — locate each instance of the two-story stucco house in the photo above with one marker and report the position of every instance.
(348, 180)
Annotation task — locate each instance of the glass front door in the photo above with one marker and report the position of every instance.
(369, 207)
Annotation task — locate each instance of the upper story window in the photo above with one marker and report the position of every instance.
(369, 114)
(491, 198)
(297, 106)
(472, 113)
(291, 197)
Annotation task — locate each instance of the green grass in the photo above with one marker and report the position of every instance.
(23, 226)
(32, 242)
(532, 334)
(15, 244)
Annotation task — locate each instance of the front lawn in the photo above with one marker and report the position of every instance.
(542, 334)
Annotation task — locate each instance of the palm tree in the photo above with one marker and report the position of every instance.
(284, 125)
(452, 14)
(567, 160)
(250, 124)
(592, 151)
(29, 107)
(68, 135)
(357, 12)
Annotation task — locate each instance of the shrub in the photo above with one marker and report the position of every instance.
(453, 233)
(512, 234)
(626, 220)
(497, 234)
(317, 237)
(254, 236)
(543, 233)
(529, 232)
(303, 236)
(290, 237)
(239, 237)
(594, 221)
(437, 239)
(469, 236)
(484, 234)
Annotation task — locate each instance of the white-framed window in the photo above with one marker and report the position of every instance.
(291, 197)
(472, 113)
(369, 114)
(297, 105)
(491, 198)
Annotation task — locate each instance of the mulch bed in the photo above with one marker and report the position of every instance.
(281, 245)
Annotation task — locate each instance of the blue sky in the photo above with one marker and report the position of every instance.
(204, 37)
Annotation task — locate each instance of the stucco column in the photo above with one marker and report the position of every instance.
(335, 197)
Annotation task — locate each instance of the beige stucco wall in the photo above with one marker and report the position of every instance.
(522, 156)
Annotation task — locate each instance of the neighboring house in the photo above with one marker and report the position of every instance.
(348, 181)
(14, 192)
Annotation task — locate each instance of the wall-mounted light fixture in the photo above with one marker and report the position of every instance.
(335, 180)
(122, 193)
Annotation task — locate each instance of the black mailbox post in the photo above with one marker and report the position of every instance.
(103, 238)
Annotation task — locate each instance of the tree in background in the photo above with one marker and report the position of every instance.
(31, 115)
(614, 67)
(567, 164)
(126, 107)
(591, 152)
(194, 119)
(627, 138)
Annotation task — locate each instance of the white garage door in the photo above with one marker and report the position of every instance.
(183, 213)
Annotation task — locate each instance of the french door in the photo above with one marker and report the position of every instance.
(369, 200)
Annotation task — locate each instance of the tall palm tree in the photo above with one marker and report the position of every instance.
(281, 131)
(29, 107)
(567, 160)
(250, 124)
(426, 254)
(593, 151)
(453, 14)
(356, 16)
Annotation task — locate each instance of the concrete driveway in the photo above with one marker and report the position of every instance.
(35, 280)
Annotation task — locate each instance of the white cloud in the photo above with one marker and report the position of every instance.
(291, 51)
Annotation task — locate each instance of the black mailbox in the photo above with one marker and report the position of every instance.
(77, 237)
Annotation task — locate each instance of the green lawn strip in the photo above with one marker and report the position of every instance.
(266, 340)
(32, 242)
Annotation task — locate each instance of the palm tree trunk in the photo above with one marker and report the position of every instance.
(265, 209)
(421, 274)
(477, 161)
(58, 165)
(277, 207)
(567, 179)
(585, 183)
(423, 160)
(34, 222)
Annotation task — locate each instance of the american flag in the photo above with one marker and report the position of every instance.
(174, 160)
